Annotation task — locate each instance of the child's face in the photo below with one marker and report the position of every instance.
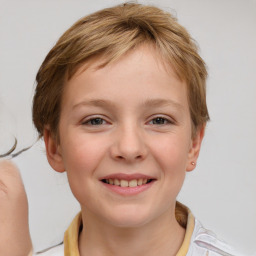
(127, 121)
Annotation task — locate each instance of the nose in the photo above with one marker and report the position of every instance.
(128, 144)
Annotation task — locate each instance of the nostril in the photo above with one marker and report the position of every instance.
(138, 157)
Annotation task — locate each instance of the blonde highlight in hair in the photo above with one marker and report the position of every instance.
(109, 34)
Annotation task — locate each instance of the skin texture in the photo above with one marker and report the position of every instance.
(14, 232)
(131, 116)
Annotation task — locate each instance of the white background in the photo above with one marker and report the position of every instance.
(221, 191)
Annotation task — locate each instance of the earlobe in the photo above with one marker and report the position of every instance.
(195, 149)
(53, 151)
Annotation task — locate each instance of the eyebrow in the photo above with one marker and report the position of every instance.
(147, 103)
(162, 103)
(95, 102)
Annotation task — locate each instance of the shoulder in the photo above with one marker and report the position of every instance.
(206, 243)
(54, 251)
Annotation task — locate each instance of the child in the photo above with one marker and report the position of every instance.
(120, 102)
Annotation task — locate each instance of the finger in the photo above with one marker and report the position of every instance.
(14, 232)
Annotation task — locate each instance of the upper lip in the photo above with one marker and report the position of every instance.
(128, 177)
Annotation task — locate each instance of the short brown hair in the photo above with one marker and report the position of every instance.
(110, 33)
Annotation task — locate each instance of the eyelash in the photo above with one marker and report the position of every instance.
(91, 120)
(97, 121)
(164, 121)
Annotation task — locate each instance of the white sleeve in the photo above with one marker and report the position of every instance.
(207, 243)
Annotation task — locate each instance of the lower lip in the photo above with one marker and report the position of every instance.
(128, 191)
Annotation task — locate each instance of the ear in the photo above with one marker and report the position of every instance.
(53, 151)
(195, 148)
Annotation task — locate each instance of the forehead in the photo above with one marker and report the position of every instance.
(104, 59)
(141, 73)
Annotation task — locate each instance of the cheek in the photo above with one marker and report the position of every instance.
(171, 152)
(81, 160)
(83, 153)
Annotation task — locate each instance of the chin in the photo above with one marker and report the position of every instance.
(129, 218)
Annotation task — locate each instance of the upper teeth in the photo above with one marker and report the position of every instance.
(126, 183)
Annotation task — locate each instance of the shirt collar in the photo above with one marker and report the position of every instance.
(182, 213)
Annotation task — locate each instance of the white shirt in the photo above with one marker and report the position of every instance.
(202, 242)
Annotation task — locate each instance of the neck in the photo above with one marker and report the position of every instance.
(163, 236)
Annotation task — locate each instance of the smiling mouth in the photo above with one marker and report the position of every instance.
(126, 183)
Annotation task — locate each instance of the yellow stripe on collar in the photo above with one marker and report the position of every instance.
(71, 237)
(189, 231)
(183, 216)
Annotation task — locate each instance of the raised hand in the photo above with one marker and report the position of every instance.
(14, 229)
